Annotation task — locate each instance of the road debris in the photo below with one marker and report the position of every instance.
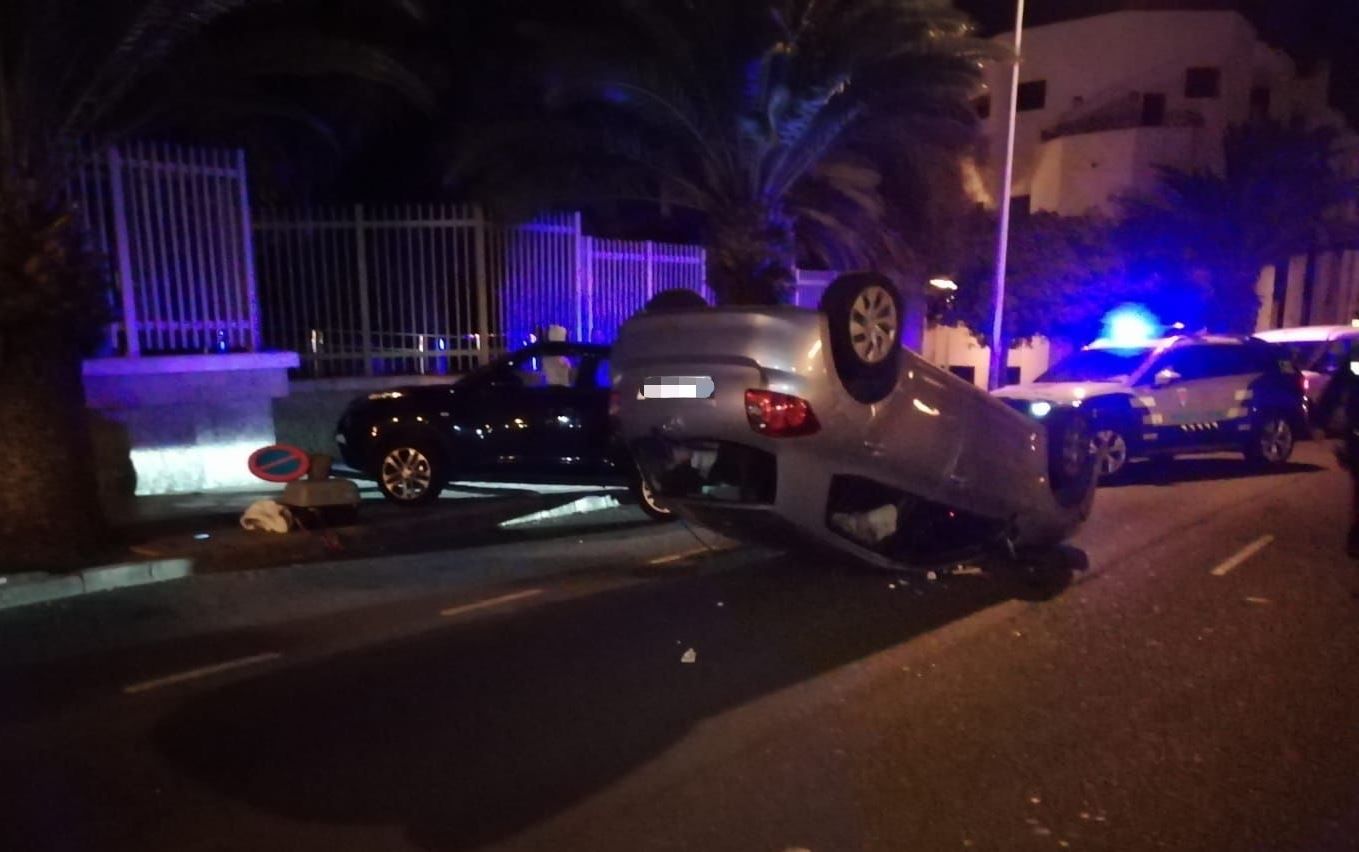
(690, 656)
(1256, 600)
(931, 576)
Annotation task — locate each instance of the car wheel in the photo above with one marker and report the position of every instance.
(646, 498)
(680, 299)
(1071, 458)
(1271, 441)
(410, 474)
(1112, 448)
(865, 316)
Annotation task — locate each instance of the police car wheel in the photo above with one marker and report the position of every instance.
(1112, 448)
(1271, 441)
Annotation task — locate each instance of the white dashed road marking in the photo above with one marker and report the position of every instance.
(1242, 555)
(490, 602)
(204, 671)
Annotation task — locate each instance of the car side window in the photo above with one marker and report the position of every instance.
(1188, 362)
(1221, 361)
(1336, 356)
(540, 370)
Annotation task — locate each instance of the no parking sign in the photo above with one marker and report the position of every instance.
(279, 463)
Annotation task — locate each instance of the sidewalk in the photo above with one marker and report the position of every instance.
(171, 537)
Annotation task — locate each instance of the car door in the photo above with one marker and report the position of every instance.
(546, 421)
(1174, 384)
(591, 410)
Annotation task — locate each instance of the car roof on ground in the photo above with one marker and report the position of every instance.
(1307, 333)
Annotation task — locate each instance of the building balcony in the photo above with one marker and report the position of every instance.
(1123, 117)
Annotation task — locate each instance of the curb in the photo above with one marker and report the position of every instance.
(51, 587)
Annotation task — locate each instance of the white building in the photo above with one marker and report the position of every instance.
(1105, 99)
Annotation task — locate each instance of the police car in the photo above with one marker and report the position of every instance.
(1177, 395)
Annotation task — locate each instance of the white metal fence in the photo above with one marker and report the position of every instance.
(173, 224)
(438, 289)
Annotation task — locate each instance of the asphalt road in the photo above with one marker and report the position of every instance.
(1196, 687)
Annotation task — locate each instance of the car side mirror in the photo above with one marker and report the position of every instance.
(1166, 377)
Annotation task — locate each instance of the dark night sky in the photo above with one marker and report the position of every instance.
(1310, 30)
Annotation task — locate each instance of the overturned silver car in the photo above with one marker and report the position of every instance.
(791, 427)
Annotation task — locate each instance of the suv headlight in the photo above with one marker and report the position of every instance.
(1040, 409)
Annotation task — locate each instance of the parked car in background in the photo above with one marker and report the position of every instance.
(540, 414)
(1175, 396)
(1318, 351)
(797, 427)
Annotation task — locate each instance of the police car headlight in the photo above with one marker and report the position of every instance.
(1040, 409)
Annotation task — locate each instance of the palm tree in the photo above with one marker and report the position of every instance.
(788, 124)
(1210, 231)
(72, 70)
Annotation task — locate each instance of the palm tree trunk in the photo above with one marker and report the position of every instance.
(751, 255)
(49, 509)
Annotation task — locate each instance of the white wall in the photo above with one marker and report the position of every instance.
(954, 346)
(1100, 59)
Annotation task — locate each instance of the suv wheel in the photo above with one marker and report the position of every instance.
(410, 474)
(865, 316)
(1112, 449)
(1271, 441)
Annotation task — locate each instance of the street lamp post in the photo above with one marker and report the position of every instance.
(999, 350)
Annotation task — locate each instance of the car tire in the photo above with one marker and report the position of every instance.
(1272, 440)
(1113, 451)
(1072, 458)
(646, 498)
(865, 315)
(679, 299)
(411, 473)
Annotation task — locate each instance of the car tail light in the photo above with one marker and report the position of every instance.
(780, 415)
(615, 403)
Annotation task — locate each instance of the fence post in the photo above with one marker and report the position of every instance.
(649, 271)
(582, 282)
(361, 268)
(248, 249)
(483, 296)
(126, 287)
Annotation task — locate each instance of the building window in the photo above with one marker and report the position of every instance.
(1202, 82)
(982, 105)
(1153, 109)
(1259, 103)
(1032, 95)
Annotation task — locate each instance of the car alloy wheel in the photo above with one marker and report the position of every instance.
(407, 474)
(1275, 440)
(646, 497)
(1113, 450)
(874, 326)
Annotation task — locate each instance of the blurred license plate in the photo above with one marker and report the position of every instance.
(677, 387)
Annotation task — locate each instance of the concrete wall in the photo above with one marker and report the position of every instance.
(1074, 175)
(185, 423)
